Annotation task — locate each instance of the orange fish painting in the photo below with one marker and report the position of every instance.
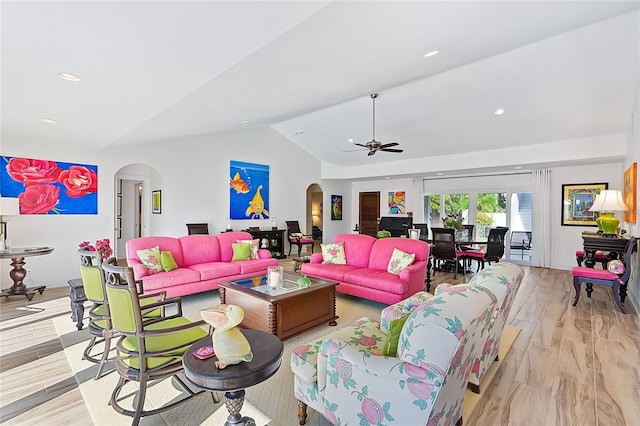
(238, 184)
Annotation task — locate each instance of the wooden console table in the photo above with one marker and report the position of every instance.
(593, 242)
(271, 240)
(18, 273)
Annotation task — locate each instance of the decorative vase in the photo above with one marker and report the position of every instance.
(609, 223)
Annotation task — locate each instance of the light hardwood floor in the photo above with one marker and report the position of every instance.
(569, 366)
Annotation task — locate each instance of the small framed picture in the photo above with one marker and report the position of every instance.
(156, 202)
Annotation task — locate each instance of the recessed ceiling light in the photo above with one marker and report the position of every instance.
(432, 53)
(48, 120)
(439, 173)
(499, 111)
(350, 140)
(244, 121)
(298, 132)
(387, 177)
(517, 167)
(68, 77)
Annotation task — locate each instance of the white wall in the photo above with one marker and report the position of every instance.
(193, 174)
(634, 228)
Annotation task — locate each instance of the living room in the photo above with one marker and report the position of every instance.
(192, 169)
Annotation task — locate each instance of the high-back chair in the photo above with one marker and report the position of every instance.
(616, 277)
(197, 228)
(346, 377)
(296, 237)
(494, 250)
(444, 249)
(424, 230)
(148, 349)
(99, 314)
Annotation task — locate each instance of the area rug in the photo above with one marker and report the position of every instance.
(269, 402)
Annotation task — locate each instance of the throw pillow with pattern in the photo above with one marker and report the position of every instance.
(151, 259)
(253, 252)
(399, 260)
(334, 253)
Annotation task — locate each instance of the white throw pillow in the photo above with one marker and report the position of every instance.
(333, 253)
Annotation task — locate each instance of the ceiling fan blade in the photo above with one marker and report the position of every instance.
(391, 150)
(362, 145)
(389, 145)
(353, 150)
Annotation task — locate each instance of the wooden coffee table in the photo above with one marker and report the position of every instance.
(283, 311)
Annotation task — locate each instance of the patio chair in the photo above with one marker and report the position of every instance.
(148, 349)
(521, 240)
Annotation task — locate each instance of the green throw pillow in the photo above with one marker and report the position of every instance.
(241, 251)
(167, 261)
(390, 347)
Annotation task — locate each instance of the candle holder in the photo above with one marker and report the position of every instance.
(275, 276)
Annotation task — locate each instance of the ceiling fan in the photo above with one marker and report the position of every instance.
(373, 145)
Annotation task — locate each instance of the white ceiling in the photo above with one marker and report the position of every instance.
(165, 70)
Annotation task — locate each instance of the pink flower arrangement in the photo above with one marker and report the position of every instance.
(102, 246)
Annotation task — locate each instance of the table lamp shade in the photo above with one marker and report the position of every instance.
(607, 202)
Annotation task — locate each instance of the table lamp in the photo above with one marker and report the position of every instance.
(607, 202)
(8, 207)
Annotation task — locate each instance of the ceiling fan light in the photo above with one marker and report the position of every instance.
(499, 111)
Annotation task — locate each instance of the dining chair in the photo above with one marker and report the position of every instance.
(197, 228)
(148, 348)
(494, 250)
(296, 237)
(444, 249)
(424, 230)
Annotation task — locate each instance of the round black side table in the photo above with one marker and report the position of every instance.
(267, 356)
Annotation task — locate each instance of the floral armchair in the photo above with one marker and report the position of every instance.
(346, 377)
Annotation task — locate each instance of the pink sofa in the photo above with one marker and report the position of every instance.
(365, 274)
(203, 262)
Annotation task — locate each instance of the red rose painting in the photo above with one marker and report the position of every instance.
(38, 185)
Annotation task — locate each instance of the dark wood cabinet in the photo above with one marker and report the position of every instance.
(271, 240)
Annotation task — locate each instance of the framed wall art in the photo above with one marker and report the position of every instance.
(336, 207)
(577, 199)
(630, 193)
(397, 202)
(156, 202)
(248, 190)
(50, 187)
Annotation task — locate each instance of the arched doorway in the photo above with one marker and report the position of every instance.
(132, 201)
(315, 212)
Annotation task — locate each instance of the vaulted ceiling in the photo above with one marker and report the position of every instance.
(167, 70)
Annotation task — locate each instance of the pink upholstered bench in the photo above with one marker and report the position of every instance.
(600, 257)
(591, 276)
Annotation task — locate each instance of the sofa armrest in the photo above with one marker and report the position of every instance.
(343, 369)
(139, 270)
(264, 254)
(402, 308)
(316, 258)
(417, 268)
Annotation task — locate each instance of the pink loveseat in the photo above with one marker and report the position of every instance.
(203, 262)
(365, 274)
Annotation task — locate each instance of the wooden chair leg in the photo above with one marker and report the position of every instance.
(576, 284)
(302, 413)
(615, 287)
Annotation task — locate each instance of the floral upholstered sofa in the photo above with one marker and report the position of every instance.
(201, 262)
(366, 265)
(350, 377)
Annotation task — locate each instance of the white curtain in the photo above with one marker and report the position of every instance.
(417, 186)
(541, 183)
